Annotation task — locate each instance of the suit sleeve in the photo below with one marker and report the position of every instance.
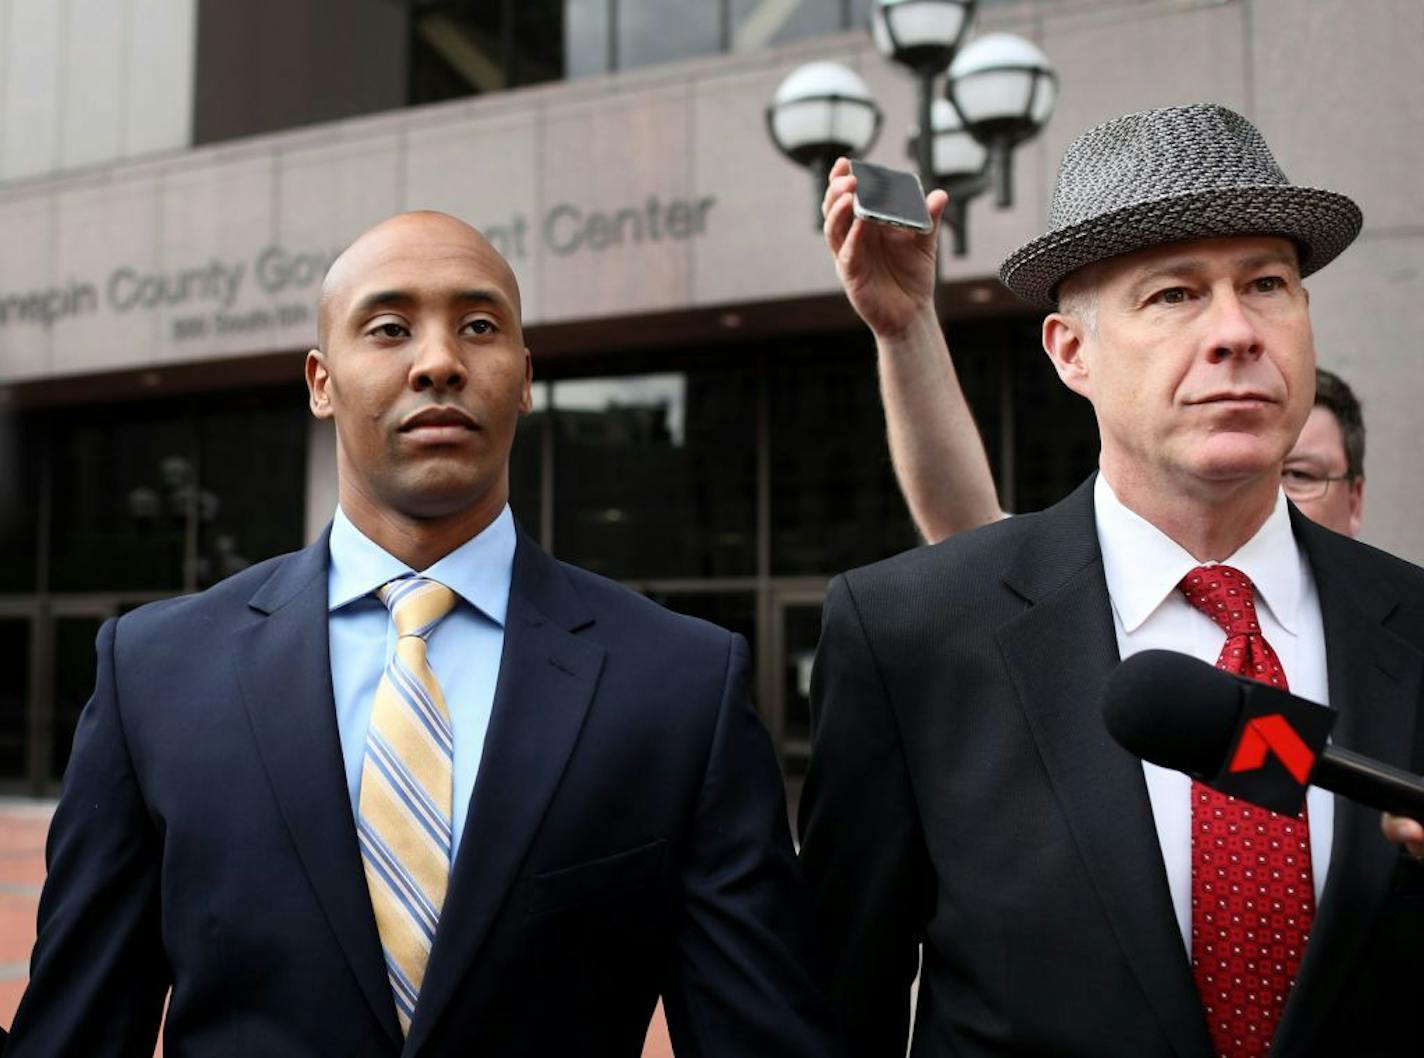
(98, 976)
(740, 982)
(862, 848)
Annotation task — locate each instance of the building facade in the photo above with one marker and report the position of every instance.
(175, 176)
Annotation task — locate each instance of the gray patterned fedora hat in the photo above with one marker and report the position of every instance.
(1160, 176)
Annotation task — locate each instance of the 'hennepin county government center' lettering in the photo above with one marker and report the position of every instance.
(207, 292)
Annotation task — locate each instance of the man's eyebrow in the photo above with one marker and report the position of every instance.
(482, 296)
(1269, 257)
(1176, 268)
(404, 299)
(380, 298)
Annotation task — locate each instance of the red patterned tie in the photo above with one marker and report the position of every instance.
(1252, 893)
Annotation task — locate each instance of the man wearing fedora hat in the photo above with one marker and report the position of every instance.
(964, 800)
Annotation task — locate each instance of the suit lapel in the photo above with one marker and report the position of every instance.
(546, 681)
(1374, 681)
(1060, 652)
(284, 668)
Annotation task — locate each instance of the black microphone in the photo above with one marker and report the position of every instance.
(1243, 737)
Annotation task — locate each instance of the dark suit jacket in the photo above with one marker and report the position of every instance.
(627, 837)
(964, 792)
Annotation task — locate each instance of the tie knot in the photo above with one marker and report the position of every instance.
(1224, 594)
(417, 604)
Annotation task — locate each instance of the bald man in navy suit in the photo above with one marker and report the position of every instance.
(618, 820)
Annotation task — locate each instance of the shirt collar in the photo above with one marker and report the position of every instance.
(1142, 565)
(479, 570)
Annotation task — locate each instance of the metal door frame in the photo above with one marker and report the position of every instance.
(782, 595)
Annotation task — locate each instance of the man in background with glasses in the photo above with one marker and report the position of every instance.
(1324, 475)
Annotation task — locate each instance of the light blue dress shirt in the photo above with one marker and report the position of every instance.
(464, 650)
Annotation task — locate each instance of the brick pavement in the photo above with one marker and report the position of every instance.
(22, 833)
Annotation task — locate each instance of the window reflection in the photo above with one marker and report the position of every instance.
(75, 667)
(131, 482)
(537, 42)
(801, 631)
(14, 696)
(733, 610)
(121, 495)
(834, 501)
(654, 31)
(758, 23)
(1056, 436)
(20, 459)
(655, 475)
(586, 37)
(470, 47)
(457, 50)
(251, 481)
(526, 465)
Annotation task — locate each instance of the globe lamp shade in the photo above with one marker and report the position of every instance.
(920, 34)
(822, 111)
(1004, 89)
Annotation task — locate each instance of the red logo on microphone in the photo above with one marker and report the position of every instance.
(1273, 734)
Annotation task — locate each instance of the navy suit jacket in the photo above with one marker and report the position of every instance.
(964, 793)
(627, 838)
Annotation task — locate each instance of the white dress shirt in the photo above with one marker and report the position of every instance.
(1143, 566)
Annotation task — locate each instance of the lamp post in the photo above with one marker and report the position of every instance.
(822, 111)
(959, 164)
(921, 35)
(1004, 90)
(1000, 92)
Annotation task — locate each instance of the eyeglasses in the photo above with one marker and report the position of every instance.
(1302, 483)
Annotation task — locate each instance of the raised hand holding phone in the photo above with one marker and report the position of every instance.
(887, 271)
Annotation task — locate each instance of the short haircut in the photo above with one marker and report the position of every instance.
(1334, 394)
(1077, 295)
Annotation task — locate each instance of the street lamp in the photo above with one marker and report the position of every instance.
(1004, 90)
(921, 35)
(822, 111)
(959, 163)
(1000, 92)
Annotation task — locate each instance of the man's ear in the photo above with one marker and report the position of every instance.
(1063, 341)
(318, 384)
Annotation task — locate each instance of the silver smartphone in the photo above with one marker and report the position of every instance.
(890, 196)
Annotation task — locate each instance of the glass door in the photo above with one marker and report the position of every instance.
(17, 649)
(71, 683)
(47, 656)
(795, 630)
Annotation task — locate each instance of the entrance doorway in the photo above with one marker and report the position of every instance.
(795, 628)
(47, 648)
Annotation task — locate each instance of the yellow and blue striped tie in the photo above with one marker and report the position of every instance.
(404, 821)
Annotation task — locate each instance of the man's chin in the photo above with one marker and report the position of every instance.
(439, 496)
(1237, 456)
